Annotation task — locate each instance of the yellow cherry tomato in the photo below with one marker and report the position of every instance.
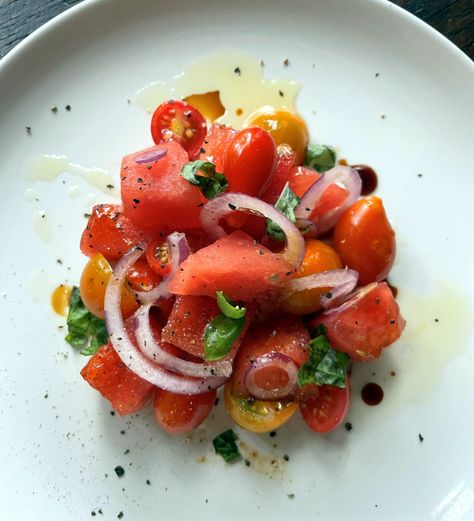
(285, 128)
(257, 415)
(318, 257)
(94, 279)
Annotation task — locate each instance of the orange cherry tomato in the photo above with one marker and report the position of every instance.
(180, 413)
(318, 257)
(365, 241)
(258, 415)
(94, 279)
(285, 128)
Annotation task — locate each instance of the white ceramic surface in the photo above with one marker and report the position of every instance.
(59, 442)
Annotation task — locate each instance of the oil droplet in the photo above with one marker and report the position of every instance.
(38, 285)
(60, 299)
(238, 77)
(152, 95)
(209, 104)
(43, 226)
(48, 167)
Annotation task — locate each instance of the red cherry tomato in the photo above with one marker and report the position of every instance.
(158, 256)
(324, 407)
(175, 120)
(141, 277)
(180, 413)
(365, 241)
(249, 161)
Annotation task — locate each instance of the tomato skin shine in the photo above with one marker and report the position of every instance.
(365, 240)
(285, 127)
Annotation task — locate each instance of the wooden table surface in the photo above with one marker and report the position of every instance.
(453, 18)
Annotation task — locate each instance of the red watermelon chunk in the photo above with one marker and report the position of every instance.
(215, 145)
(280, 176)
(154, 193)
(188, 320)
(125, 390)
(236, 265)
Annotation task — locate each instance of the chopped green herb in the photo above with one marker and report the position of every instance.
(85, 331)
(228, 308)
(325, 364)
(286, 204)
(220, 334)
(210, 182)
(225, 446)
(320, 157)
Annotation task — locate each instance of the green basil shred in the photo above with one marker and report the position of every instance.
(225, 445)
(224, 329)
(85, 331)
(325, 366)
(320, 157)
(228, 308)
(286, 204)
(210, 182)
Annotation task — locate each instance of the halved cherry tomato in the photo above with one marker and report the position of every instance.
(318, 257)
(178, 121)
(258, 415)
(249, 161)
(365, 240)
(180, 413)
(141, 277)
(94, 279)
(281, 174)
(324, 407)
(285, 128)
(158, 256)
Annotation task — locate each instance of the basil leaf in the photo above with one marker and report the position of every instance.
(225, 446)
(85, 331)
(325, 366)
(228, 308)
(286, 204)
(211, 184)
(220, 334)
(320, 157)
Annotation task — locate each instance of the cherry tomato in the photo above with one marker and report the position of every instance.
(249, 161)
(324, 407)
(180, 413)
(286, 335)
(177, 121)
(158, 256)
(257, 415)
(94, 279)
(365, 240)
(141, 277)
(318, 257)
(285, 128)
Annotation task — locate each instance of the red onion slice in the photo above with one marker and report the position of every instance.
(152, 349)
(276, 361)
(341, 175)
(125, 348)
(342, 282)
(152, 155)
(223, 204)
(179, 252)
(352, 299)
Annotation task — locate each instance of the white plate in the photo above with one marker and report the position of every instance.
(59, 453)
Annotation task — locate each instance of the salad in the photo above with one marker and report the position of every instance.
(238, 259)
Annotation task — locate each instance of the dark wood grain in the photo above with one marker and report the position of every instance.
(453, 18)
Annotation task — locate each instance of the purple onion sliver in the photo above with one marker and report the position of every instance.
(152, 155)
(277, 360)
